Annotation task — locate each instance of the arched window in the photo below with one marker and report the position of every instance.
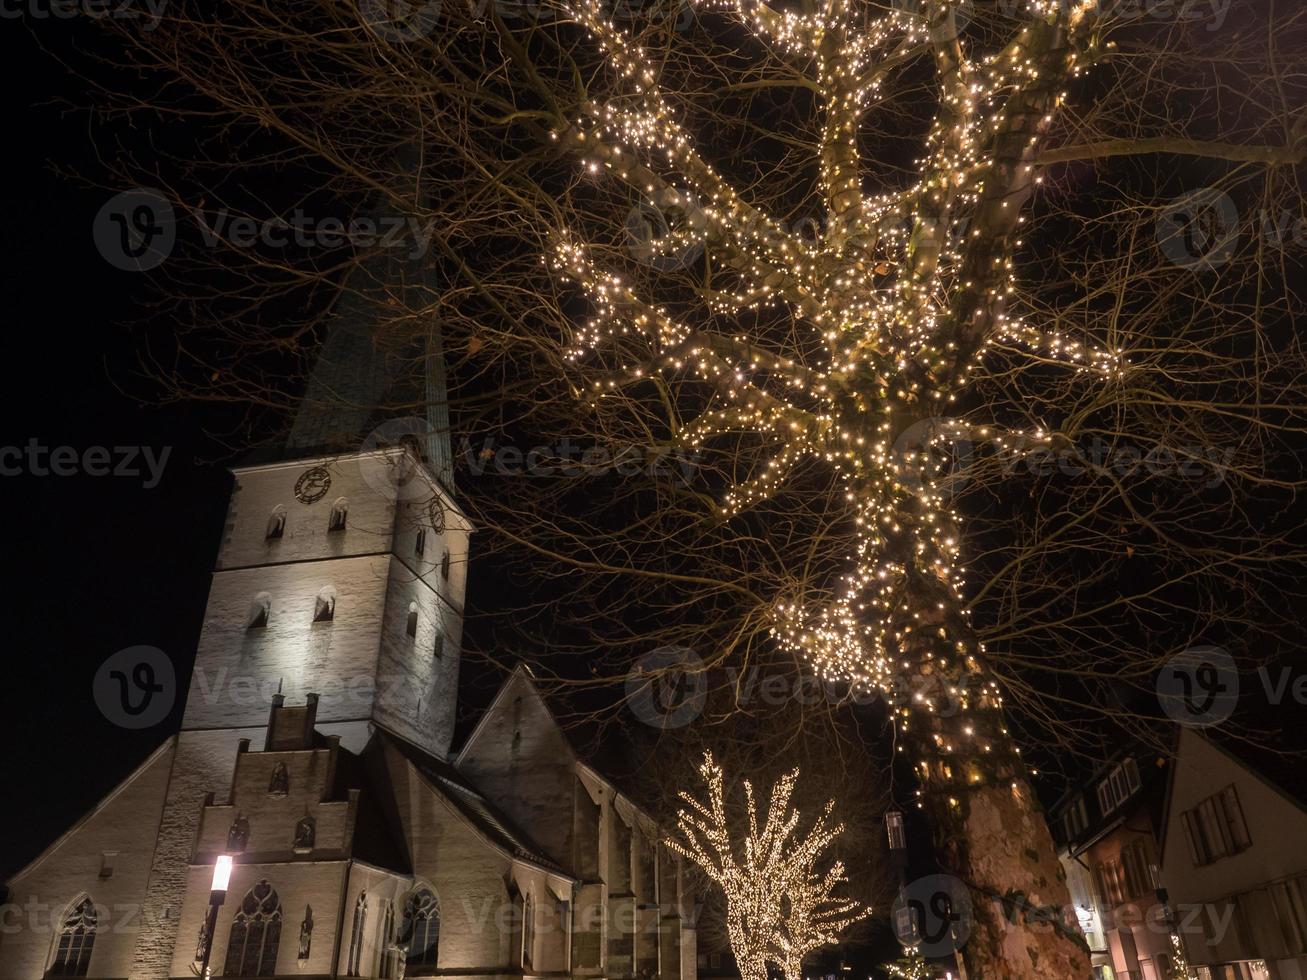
(420, 543)
(306, 831)
(255, 934)
(444, 564)
(386, 970)
(276, 523)
(411, 626)
(279, 784)
(76, 939)
(260, 611)
(421, 930)
(440, 644)
(238, 835)
(528, 929)
(356, 936)
(339, 512)
(324, 606)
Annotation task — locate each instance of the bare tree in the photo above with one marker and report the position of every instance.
(779, 906)
(912, 265)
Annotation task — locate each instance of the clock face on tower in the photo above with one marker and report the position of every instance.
(312, 485)
(437, 512)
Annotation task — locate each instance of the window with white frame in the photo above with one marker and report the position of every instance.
(1215, 828)
(1121, 784)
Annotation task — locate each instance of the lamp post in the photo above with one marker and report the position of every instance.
(1179, 959)
(905, 927)
(217, 895)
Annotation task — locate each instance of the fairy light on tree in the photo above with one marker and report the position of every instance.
(779, 906)
(903, 299)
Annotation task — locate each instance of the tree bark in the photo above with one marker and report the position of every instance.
(1023, 926)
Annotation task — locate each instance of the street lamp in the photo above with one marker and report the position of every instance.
(898, 837)
(217, 895)
(905, 926)
(1181, 961)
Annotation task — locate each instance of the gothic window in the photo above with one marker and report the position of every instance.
(305, 833)
(276, 523)
(255, 934)
(279, 784)
(239, 835)
(324, 606)
(528, 929)
(420, 543)
(444, 564)
(440, 644)
(339, 512)
(411, 626)
(386, 971)
(76, 939)
(260, 610)
(421, 929)
(306, 933)
(356, 935)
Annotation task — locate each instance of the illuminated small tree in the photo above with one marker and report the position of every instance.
(779, 907)
(912, 966)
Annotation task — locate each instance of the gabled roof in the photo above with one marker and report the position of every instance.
(599, 762)
(474, 806)
(149, 760)
(520, 676)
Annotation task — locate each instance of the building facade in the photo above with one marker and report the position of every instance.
(1235, 859)
(315, 751)
(1107, 833)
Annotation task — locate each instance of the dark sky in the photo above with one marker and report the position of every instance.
(93, 563)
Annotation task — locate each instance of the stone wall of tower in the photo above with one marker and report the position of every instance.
(361, 663)
(371, 661)
(203, 763)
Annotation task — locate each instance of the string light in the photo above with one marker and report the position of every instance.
(779, 907)
(906, 294)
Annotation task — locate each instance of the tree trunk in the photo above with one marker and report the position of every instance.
(1022, 924)
(990, 830)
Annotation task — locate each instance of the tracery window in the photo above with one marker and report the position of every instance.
(76, 940)
(255, 934)
(421, 930)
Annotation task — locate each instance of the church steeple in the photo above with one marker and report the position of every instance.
(380, 374)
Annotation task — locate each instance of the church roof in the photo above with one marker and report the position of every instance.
(475, 807)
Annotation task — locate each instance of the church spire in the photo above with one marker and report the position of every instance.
(382, 360)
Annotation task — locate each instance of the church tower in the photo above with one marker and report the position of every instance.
(340, 580)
